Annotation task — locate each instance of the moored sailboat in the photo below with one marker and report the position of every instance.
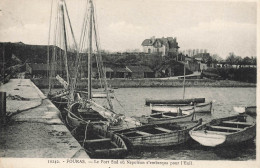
(57, 62)
(83, 109)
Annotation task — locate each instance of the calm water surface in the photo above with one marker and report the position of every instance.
(131, 102)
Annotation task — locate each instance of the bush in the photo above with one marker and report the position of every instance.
(241, 74)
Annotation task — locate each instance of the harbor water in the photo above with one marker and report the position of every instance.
(131, 102)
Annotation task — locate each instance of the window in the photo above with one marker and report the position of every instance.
(149, 50)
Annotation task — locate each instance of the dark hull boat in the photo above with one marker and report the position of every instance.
(78, 117)
(60, 102)
(158, 135)
(225, 131)
(102, 144)
(82, 108)
(251, 110)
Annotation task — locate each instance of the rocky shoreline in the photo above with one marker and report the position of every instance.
(152, 82)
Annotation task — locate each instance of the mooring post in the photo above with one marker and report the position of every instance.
(2, 108)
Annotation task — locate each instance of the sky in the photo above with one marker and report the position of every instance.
(220, 27)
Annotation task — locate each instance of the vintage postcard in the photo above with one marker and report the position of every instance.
(128, 83)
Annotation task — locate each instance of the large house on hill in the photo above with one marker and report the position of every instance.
(164, 46)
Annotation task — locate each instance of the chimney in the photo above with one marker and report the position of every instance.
(153, 39)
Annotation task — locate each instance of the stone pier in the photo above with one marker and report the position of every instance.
(34, 128)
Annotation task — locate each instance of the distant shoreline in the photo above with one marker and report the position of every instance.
(152, 82)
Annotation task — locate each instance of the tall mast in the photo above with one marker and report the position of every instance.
(90, 51)
(184, 81)
(3, 63)
(48, 52)
(65, 44)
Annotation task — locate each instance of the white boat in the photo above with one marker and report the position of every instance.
(239, 109)
(225, 131)
(198, 108)
(251, 110)
(167, 117)
(95, 94)
(197, 104)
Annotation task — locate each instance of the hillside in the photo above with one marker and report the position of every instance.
(38, 54)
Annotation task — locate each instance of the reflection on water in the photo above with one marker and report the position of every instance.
(131, 102)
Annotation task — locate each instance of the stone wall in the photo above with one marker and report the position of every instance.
(152, 82)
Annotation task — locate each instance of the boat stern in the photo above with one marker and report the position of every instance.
(207, 139)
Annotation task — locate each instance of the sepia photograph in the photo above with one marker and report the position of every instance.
(116, 83)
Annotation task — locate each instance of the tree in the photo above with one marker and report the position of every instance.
(253, 60)
(231, 58)
(246, 61)
(217, 58)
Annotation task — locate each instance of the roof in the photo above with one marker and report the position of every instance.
(199, 59)
(139, 68)
(163, 67)
(107, 69)
(118, 69)
(38, 67)
(201, 55)
(147, 42)
(165, 41)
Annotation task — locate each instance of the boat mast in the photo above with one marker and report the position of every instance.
(3, 63)
(65, 44)
(48, 52)
(184, 80)
(90, 51)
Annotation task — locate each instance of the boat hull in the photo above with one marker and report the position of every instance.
(170, 138)
(99, 143)
(215, 138)
(199, 108)
(176, 101)
(251, 110)
(164, 120)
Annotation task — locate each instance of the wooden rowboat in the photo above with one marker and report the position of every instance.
(198, 108)
(250, 110)
(81, 117)
(156, 135)
(99, 143)
(77, 117)
(175, 101)
(167, 117)
(225, 131)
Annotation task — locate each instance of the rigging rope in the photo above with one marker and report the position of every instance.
(101, 66)
(85, 138)
(78, 58)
